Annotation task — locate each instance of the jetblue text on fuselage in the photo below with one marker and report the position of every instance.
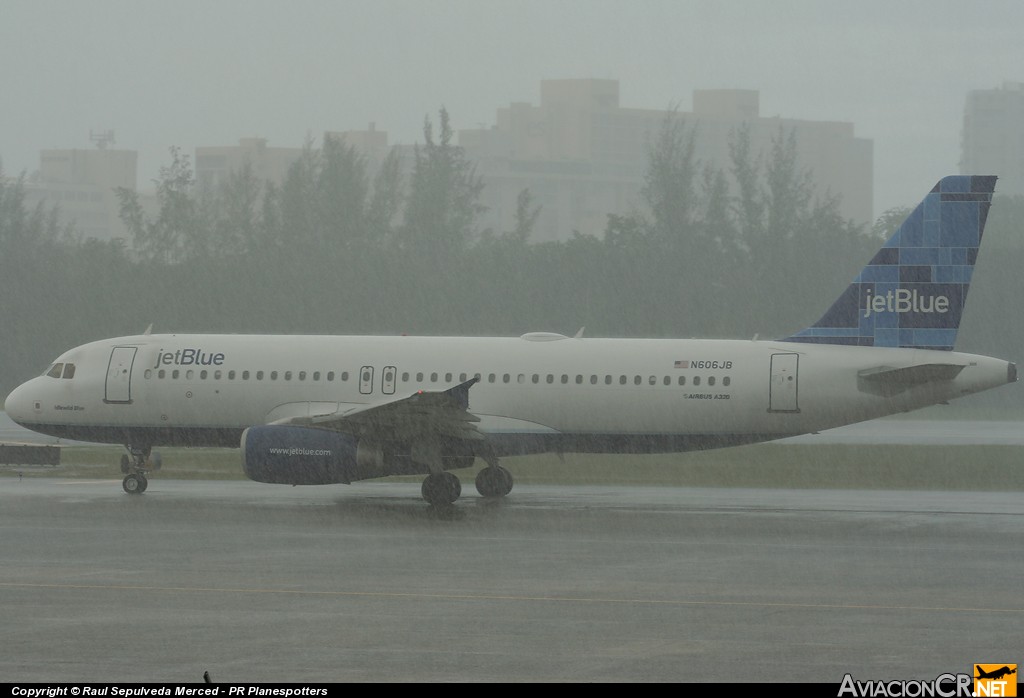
(188, 357)
(904, 300)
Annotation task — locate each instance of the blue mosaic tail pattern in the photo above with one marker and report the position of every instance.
(912, 293)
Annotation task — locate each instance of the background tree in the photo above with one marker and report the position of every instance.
(669, 189)
(385, 203)
(232, 208)
(176, 233)
(342, 197)
(443, 203)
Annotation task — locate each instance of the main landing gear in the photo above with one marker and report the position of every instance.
(443, 488)
(494, 481)
(135, 464)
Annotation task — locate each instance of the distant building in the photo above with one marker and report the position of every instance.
(992, 141)
(214, 163)
(371, 144)
(271, 164)
(583, 156)
(81, 184)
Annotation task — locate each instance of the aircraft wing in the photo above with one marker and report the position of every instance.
(888, 381)
(428, 414)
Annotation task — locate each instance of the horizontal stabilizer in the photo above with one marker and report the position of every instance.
(888, 381)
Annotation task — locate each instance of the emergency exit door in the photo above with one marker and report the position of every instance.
(366, 380)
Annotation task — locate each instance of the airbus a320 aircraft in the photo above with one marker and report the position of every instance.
(311, 410)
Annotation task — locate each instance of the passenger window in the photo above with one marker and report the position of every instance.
(202, 374)
(216, 375)
(565, 379)
(726, 380)
(682, 380)
(330, 376)
(69, 370)
(491, 378)
(344, 375)
(405, 376)
(419, 377)
(696, 380)
(175, 373)
(536, 378)
(148, 374)
(668, 380)
(551, 378)
(259, 375)
(273, 375)
(161, 373)
(579, 379)
(245, 375)
(302, 375)
(433, 377)
(622, 380)
(711, 380)
(607, 380)
(521, 378)
(462, 377)
(55, 370)
(653, 380)
(190, 374)
(506, 378)
(593, 379)
(447, 378)
(637, 380)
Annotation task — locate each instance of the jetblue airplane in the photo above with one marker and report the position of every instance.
(310, 410)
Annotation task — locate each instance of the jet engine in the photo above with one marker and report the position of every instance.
(293, 455)
(290, 455)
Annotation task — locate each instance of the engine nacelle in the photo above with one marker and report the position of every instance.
(290, 455)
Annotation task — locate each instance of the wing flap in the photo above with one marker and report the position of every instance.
(423, 415)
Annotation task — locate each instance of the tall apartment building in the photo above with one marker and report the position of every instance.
(583, 156)
(81, 184)
(992, 141)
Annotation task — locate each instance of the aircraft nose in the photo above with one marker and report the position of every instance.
(20, 405)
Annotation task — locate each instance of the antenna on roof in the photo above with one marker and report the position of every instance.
(102, 139)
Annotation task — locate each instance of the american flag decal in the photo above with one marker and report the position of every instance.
(682, 364)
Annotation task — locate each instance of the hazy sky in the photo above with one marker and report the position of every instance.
(193, 73)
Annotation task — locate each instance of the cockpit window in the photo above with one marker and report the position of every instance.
(55, 370)
(69, 371)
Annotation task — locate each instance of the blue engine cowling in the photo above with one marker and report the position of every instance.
(290, 455)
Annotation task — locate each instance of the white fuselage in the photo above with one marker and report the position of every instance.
(205, 389)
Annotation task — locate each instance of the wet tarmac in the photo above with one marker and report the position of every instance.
(260, 583)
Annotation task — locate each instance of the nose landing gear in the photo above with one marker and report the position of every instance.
(135, 483)
(135, 464)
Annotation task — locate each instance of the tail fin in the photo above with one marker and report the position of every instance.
(912, 293)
